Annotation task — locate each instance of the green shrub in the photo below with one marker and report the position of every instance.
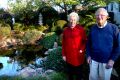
(20, 78)
(10, 78)
(54, 60)
(31, 27)
(57, 26)
(18, 26)
(31, 36)
(3, 23)
(36, 78)
(58, 23)
(87, 21)
(48, 40)
(5, 31)
(53, 76)
(42, 28)
(57, 76)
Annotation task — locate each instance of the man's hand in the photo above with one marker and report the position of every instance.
(109, 64)
(89, 60)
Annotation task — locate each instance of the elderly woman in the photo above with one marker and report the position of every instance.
(73, 46)
(102, 47)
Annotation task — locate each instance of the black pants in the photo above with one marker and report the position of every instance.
(74, 72)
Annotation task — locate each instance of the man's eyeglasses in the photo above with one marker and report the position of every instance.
(101, 15)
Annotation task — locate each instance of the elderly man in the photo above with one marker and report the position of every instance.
(73, 46)
(102, 47)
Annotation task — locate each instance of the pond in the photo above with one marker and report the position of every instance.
(11, 65)
(9, 68)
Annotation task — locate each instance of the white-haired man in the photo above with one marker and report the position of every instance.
(73, 46)
(102, 47)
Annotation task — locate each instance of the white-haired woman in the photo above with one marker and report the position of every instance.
(102, 47)
(73, 46)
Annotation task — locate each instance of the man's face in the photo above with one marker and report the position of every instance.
(101, 18)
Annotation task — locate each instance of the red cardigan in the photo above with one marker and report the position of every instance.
(74, 40)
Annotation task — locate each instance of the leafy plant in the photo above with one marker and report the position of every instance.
(54, 60)
(42, 28)
(48, 40)
(5, 31)
(18, 26)
(88, 21)
(58, 76)
(57, 26)
(31, 36)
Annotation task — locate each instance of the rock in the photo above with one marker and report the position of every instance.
(1, 65)
(48, 72)
(27, 72)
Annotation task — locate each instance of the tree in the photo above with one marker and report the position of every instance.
(25, 11)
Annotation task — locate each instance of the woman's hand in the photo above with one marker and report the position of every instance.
(64, 58)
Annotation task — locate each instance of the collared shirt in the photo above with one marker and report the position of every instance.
(103, 25)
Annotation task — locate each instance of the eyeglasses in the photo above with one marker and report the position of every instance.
(100, 15)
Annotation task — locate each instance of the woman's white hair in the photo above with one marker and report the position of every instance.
(101, 10)
(73, 14)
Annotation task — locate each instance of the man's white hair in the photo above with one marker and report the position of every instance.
(101, 10)
(73, 14)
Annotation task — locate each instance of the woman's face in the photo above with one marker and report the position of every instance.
(73, 20)
(101, 18)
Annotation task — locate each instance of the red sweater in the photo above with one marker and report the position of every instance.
(74, 40)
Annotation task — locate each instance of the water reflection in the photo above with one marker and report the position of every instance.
(12, 67)
(12, 64)
(9, 68)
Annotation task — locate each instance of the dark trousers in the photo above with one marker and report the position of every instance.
(74, 72)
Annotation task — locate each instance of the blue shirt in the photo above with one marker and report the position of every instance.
(103, 43)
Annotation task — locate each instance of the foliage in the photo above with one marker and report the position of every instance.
(54, 60)
(88, 21)
(65, 4)
(10, 78)
(18, 26)
(42, 28)
(1, 10)
(21, 78)
(57, 76)
(25, 11)
(48, 40)
(3, 23)
(5, 52)
(49, 15)
(57, 26)
(5, 31)
(53, 76)
(30, 36)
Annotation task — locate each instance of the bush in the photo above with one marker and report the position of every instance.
(54, 60)
(21, 78)
(48, 40)
(53, 76)
(5, 31)
(57, 26)
(58, 76)
(18, 26)
(31, 36)
(42, 28)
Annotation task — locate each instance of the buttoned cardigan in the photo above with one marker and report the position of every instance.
(74, 40)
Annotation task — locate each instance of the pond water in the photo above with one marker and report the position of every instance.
(12, 67)
(14, 61)
(9, 68)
